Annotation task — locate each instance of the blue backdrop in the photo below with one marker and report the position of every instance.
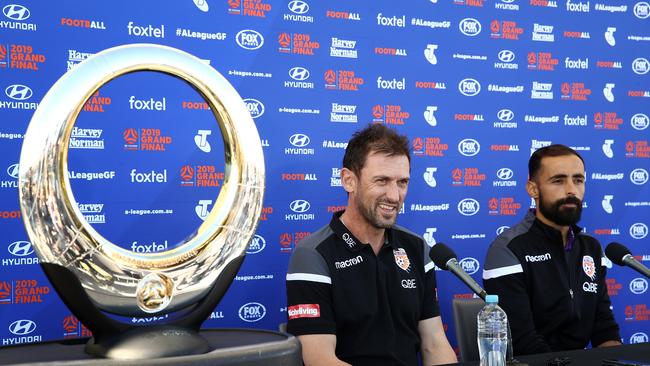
(476, 85)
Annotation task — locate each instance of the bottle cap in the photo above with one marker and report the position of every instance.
(492, 299)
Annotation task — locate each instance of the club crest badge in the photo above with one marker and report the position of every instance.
(589, 266)
(401, 259)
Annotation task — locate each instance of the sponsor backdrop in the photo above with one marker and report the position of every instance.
(476, 85)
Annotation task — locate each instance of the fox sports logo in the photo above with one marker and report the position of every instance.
(640, 66)
(468, 207)
(638, 286)
(252, 312)
(469, 265)
(255, 107)
(639, 176)
(469, 27)
(469, 87)
(249, 39)
(469, 147)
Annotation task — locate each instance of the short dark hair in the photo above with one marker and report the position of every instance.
(374, 138)
(535, 162)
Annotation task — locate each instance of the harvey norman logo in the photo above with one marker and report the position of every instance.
(93, 212)
(75, 57)
(541, 90)
(86, 138)
(343, 113)
(343, 48)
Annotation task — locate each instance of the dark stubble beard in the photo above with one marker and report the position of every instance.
(558, 215)
(371, 214)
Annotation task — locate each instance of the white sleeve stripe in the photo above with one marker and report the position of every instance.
(429, 266)
(308, 277)
(501, 271)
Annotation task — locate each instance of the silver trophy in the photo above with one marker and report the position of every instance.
(94, 276)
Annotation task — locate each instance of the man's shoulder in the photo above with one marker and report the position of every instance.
(501, 258)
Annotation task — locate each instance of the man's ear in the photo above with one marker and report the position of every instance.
(348, 180)
(532, 189)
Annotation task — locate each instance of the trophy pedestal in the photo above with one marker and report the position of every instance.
(240, 347)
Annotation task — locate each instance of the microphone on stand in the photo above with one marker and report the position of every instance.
(622, 256)
(445, 258)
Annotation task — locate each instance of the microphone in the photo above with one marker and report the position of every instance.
(445, 258)
(622, 256)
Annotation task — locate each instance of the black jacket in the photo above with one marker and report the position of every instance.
(555, 299)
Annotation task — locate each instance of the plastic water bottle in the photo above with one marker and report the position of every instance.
(492, 333)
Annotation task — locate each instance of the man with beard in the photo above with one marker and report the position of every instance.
(362, 290)
(550, 277)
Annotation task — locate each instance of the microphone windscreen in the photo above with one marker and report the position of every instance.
(615, 252)
(440, 254)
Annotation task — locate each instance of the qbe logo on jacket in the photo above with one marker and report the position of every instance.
(468, 207)
(252, 312)
(249, 39)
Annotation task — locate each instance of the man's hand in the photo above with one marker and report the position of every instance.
(319, 349)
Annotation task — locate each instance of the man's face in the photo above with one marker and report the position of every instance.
(560, 188)
(381, 188)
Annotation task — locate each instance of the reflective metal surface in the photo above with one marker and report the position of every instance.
(114, 278)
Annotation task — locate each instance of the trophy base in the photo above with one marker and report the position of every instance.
(150, 342)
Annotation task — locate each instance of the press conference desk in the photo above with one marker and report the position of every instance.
(589, 357)
(240, 347)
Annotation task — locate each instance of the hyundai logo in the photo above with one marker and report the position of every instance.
(640, 66)
(299, 140)
(638, 337)
(18, 92)
(505, 173)
(469, 87)
(299, 73)
(255, 107)
(642, 10)
(202, 5)
(257, 244)
(469, 265)
(640, 121)
(249, 39)
(13, 171)
(468, 207)
(22, 327)
(252, 312)
(20, 248)
(507, 1)
(638, 286)
(298, 7)
(299, 206)
(505, 115)
(16, 12)
(469, 147)
(506, 56)
(470, 27)
(638, 230)
(639, 176)
(501, 229)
